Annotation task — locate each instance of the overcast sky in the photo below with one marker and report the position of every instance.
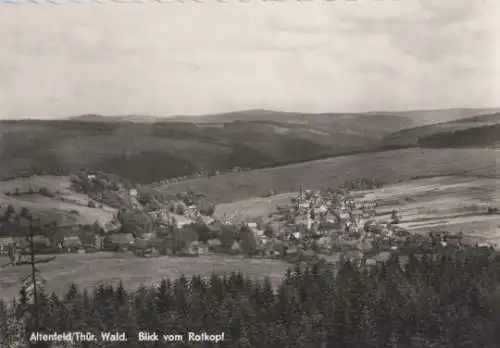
(195, 58)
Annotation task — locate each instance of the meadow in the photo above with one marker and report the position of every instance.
(388, 166)
(65, 206)
(90, 270)
(447, 203)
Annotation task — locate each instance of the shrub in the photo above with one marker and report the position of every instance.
(206, 207)
(179, 209)
(46, 192)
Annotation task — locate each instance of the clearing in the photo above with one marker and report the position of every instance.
(448, 203)
(387, 166)
(90, 270)
(451, 203)
(252, 208)
(67, 207)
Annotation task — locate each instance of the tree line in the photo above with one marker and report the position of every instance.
(435, 300)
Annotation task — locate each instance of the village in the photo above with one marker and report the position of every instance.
(334, 225)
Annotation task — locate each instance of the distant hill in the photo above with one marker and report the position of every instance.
(411, 136)
(429, 117)
(148, 149)
(412, 118)
(107, 119)
(483, 136)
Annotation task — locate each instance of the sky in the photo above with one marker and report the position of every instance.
(192, 58)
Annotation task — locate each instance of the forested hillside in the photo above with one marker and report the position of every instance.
(484, 136)
(431, 300)
(151, 150)
(440, 133)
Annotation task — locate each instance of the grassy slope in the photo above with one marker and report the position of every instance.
(449, 203)
(388, 166)
(251, 208)
(478, 136)
(50, 209)
(411, 136)
(92, 269)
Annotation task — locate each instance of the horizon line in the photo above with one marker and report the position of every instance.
(239, 111)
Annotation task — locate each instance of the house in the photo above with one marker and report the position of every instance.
(41, 244)
(324, 242)
(6, 242)
(252, 225)
(322, 209)
(118, 242)
(41, 239)
(214, 245)
(71, 244)
(306, 254)
(148, 236)
(143, 247)
(181, 220)
(196, 248)
(235, 248)
(207, 220)
(382, 256)
(285, 232)
(371, 262)
(182, 238)
(257, 232)
(216, 227)
(353, 256)
(186, 234)
(295, 236)
(166, 246)
(141, 243)
(364, 245)
(328, 226)
(292, 250)
(111, 226)
(279, 248)
(98, 242)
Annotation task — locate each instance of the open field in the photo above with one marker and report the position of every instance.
(251, 208)
(90, 270)
(448, 203)
(67, 207)
(469, 128)
(387, 166)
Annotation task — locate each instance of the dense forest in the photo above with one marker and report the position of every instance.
(484, 136)
(149, 152)
(434, 300)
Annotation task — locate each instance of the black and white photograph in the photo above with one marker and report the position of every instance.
(250, 174)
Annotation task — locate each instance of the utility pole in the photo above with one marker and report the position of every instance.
(33, 276)
(34, 271)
